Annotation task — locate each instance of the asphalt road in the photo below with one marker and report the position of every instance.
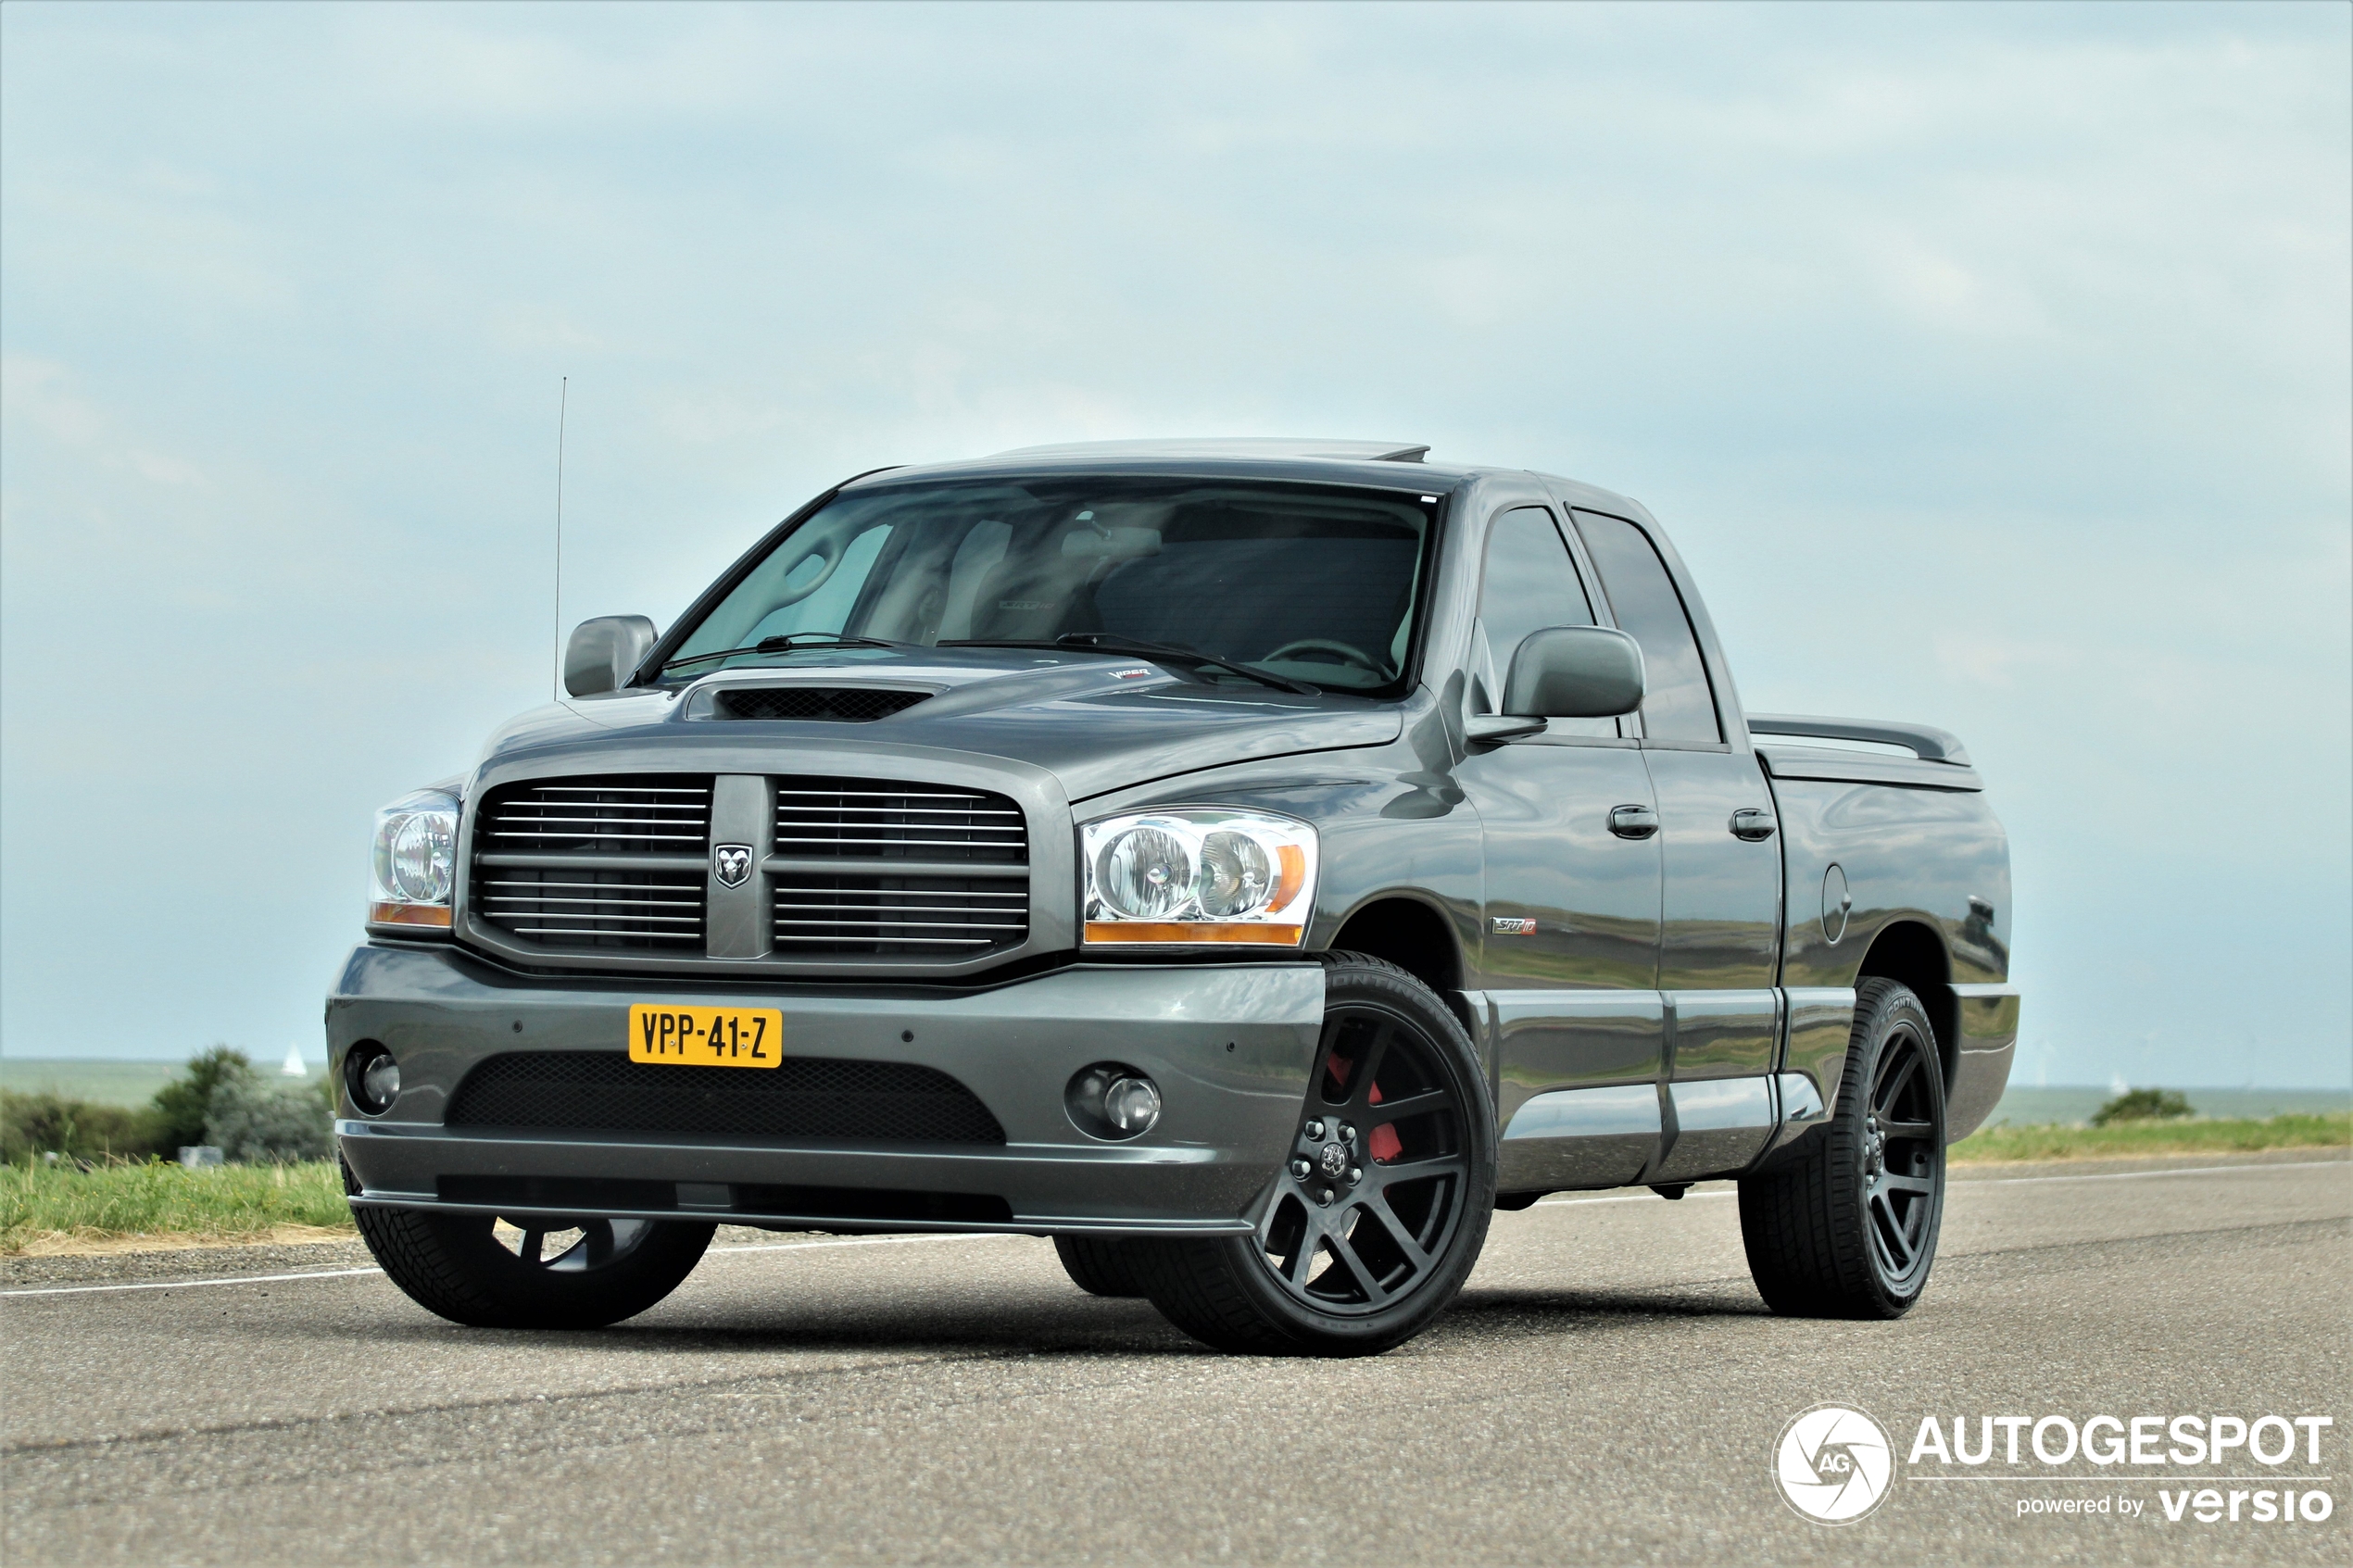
(1608, 1388)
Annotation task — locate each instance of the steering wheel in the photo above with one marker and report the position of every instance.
(1347, 653)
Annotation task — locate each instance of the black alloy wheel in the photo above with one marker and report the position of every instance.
(1904, 1159)
(1381, 1205)
(1845, 1223)
(582, 1273)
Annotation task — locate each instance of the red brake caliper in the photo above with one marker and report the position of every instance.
(1383, 1145)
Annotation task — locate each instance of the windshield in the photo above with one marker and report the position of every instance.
(1311, 582)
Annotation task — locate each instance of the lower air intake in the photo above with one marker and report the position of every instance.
(800, 1098)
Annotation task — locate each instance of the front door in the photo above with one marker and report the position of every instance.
(1720, 914)
(1570, 930)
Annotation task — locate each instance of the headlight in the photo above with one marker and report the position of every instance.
(416, 861)
(1199, 875)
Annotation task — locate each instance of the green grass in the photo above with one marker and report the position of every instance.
(2126, 1138)
(63, 1207)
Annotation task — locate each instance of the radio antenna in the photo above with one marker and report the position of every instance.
(564, 401)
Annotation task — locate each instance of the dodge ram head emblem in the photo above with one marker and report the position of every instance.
(731, 863)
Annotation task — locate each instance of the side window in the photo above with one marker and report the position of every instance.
(1678, 705)
(1530, 582)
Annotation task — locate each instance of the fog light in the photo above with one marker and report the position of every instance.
(1132, 1105)
(372, 1077)
(1113, 1101)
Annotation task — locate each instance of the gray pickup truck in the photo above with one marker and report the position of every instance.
(1249, 863)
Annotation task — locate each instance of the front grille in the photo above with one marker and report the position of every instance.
(553, 861)
(870, 874)
(593, 907)
(644, 814)
(868, 819)
(826, 916)
(854, 705)
(799, 1098)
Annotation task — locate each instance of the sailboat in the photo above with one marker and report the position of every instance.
(294, 1066)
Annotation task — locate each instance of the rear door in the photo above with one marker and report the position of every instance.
(1720, 915)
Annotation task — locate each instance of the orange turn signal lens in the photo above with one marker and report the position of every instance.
(1194, 931)
(1290, 876)
(434, 915)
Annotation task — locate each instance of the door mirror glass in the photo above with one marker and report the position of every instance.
(605, 652)
(1574, 672)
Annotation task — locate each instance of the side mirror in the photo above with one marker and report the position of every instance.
(604, 652)
(1575, 672)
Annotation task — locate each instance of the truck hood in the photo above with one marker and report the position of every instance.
(1096, 724)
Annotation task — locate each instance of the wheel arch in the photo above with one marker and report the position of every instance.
(1409, 932)
(1911, 953)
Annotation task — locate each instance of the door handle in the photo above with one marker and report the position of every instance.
(1752, 824)
(1633, 822)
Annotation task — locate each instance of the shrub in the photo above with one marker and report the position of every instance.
(255, 1123)
(2142, 1105)
(184, 1105)
(31, 1126)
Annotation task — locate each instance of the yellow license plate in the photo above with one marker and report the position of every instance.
(683, 1036)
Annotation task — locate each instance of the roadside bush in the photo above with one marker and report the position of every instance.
(184, 1105)
(2142, 1105)
(255, 1123)
(33, 1125)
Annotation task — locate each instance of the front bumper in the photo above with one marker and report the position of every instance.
(1230, 1047)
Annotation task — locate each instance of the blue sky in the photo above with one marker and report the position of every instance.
(1990, 365)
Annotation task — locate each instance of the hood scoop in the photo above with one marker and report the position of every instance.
(836, 704)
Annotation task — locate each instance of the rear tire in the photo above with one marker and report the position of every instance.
(1398, 1102)
(456, 1266)
(1847, 1226)
(1099, 1265)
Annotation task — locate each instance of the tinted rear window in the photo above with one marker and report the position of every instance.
(1676, 704)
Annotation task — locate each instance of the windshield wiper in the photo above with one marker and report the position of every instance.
(791, 641)
(1165, 653)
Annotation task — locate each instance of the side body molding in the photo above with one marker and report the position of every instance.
(1579, 1138)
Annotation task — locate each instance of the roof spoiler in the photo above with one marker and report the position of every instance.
(1231, 447)
(1928, 744)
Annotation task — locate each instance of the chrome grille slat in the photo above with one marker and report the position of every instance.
(919, 941)
(633, 789)
(889, 793)
(914, 843)
(911, 909)
(905, 811)
(596, 822)
(908, 924)
(662, 838)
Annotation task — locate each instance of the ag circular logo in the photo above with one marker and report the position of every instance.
(1834, 1464)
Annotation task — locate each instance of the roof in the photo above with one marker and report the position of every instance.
(1232, 446)
(1387, 464)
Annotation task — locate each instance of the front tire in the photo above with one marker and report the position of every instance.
(1847, 1227)
(458, 1267)
(1379, 1212)
(1099, 1265)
